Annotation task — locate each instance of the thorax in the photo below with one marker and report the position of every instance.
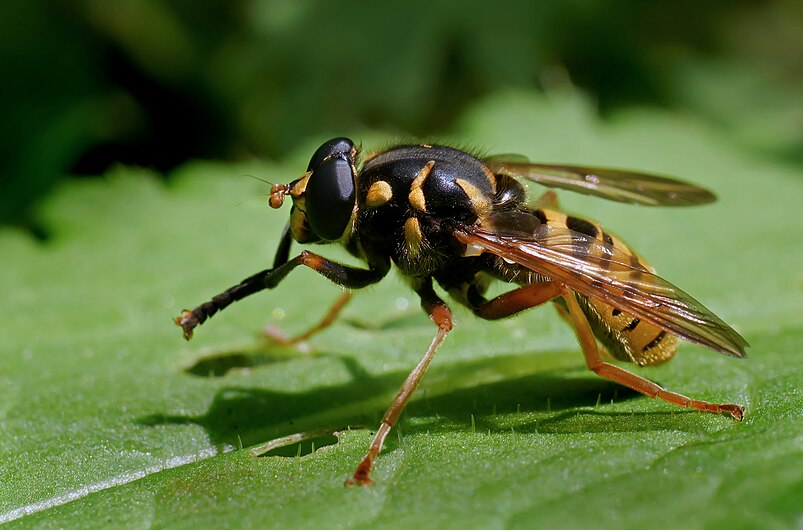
(405, 194)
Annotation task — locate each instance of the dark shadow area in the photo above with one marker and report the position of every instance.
(243, 416)
(247, 416)
(554, 391)
(663, 420)
(266, 351)
(220, 364)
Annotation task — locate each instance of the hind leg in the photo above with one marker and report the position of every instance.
(619, 375)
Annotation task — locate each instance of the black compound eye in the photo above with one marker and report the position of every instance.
(335, 147)
(330, 198)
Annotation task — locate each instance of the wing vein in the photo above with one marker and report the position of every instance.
(607, 274)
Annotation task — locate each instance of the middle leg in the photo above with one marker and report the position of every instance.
(515, 301)
(440, 314)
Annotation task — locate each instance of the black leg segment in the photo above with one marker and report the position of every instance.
(283, 250)
(343, 275)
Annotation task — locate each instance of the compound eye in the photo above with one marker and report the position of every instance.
(332, 148)
(330, 198)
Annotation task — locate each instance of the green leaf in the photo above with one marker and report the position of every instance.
(110, 419)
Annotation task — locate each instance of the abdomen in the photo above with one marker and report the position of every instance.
(624, 337)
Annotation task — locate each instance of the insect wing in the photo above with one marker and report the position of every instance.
(598, 270)
(613, 184)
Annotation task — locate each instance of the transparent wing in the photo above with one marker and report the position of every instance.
(614, 184)
(596, 269)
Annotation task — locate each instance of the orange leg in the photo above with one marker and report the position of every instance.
(442, 317)
(273, 332)
(619, 375)
(525, 297)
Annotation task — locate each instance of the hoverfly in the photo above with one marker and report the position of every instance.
(444, 216)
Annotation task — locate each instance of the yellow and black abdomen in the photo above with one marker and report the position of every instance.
(624, 336)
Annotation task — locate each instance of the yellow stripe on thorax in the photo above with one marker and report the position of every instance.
(416, 196)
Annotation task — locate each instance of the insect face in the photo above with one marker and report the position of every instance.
(324, 199)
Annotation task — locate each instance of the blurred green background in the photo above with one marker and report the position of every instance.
(88, 84)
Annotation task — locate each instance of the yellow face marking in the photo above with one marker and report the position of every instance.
(416, 196)
(413, 236)
(301, 186)
(378, 194)
(299, 228)
(479, 203)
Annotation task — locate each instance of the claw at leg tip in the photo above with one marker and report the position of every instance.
(362, 476)
(736, 412)
(182, 322)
